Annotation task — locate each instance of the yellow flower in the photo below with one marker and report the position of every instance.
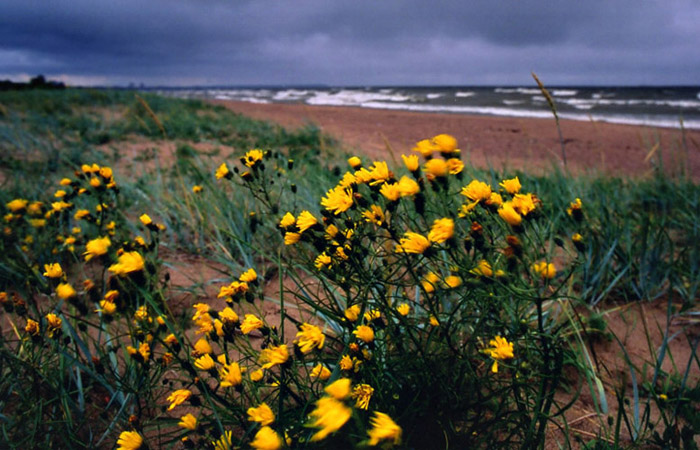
(321, 372)
(453, 281)
(222, 172)
(347, 180)
(501, 350)
(309, 337)
(322, 260)
(129, 440)
(372, 314)
(482, 268)
(355, 162)
(86, 168)
(436, 167)
(509, 214)
(339, 389)
(412, 243)
(262, 414)
(224, 442)
(127, 263)
(96, 247)
(257, 375)
(231, 375)
(60, 206)
(65, 291)
(60, 193)
(291, 238)
(408, 186)
(495, 199)
(430, 282)
(524, 203)
(81, 214)
(577, 237)
(106, 172)
(383, 428)
(145, 219)
(32, 328)
(253, 157)
(544, 269)
(53, 323)
(330, 415)
(107, 307)
(404, 309)
(188, 421)
(362, 393)
(454, 166)
(196, 189)
(411, 162)
(390, 191)
(17, 205)
(305, 221)
(34, 208)
(434, 321)
(178, 397)
(37, 223)
(352, 313)
(95, 182)
(477, 191)
(288, 220)
(512, 186)
(272, 356)
(338, 200)
(250, 323)
(445, 143)
(266, 439)
(53, 270)
(204, 362)
(380, 172)
(346, 362)
(442, 230)
(248, 276)
(374, 215)
(364, 333)
(362, 176)
(425, 148)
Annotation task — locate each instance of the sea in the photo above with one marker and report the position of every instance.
(657, 106)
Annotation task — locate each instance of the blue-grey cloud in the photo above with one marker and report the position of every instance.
(359, 42)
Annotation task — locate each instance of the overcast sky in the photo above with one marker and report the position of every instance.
(352, 42)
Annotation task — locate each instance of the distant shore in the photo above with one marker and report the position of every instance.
(516, 143)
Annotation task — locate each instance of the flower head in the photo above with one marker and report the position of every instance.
(273, 356)
(544, 269)
(188, 422)
(383, 428)
(412, 243)
(477, 191)
(411, 162)
(338, 200)
(287, 220)
(512, 186)
(362, 393)
(374, 215)
(65, 291)
(262, 414)
(223, 172)
(97, 247)
(436, 167)
(445, 143)
(305, 221)
(330, 415)
(364, 333)
(250, 323)
(53, 270)
(500, 350)
(178, 397)
(309, 337)
(321, 372)
(509, 214)
(17, 205)
(266, 439)
(442, 230)
(127, 263)
(425, 148)
(253, 157)
(231, 375)
(129, 440)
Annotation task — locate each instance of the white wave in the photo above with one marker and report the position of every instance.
(520, 90)
(289, 94)
(512, 102)
(511, 112)
(347, 97)
(433, 96)
(584, 106)
(505, 90)
(253, 100)
(564, 92)
(471, 93)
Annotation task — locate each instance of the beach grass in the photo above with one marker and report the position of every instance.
(614, 243)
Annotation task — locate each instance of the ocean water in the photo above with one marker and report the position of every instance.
(672, 107)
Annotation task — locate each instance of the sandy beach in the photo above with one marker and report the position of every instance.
(513, 143)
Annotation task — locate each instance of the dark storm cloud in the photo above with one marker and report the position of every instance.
(359, 42)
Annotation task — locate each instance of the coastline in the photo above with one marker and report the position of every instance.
(528, 144)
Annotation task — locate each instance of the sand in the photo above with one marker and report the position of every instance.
(513, 143)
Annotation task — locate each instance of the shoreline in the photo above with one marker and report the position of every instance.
(514, 143)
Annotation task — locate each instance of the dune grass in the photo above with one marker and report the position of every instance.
(638, 243)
